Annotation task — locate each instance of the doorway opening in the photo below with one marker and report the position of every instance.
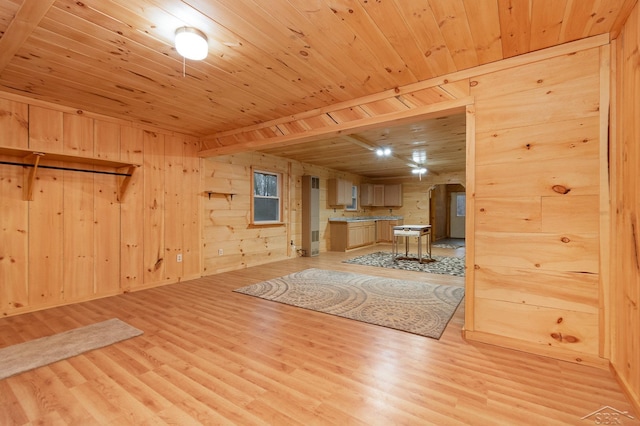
(447, 211)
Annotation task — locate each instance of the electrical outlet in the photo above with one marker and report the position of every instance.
(220, 252)
(179, 257)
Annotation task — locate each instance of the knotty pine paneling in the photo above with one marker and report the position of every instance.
(14, 119)
(560, 290)
(537, 192)
(14, 216)
(132, 212)
(521, 214)
(625, 207)
(45, 129)
(173, 183)
(46, 261)
(14, 239)
(75, 240)
(107, 216)
(564, 328)
(154, 206)
(78, 217)
(532, 143)
(191, 211)
(227, 222)
(46, 219)
(543, 251)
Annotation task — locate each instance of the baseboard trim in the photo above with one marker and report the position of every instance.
(634, 399)
(536, 349)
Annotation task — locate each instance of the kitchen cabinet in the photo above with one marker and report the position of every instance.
(371, 195)
(339, 192)
(378, 195)
(349, 235)
(393, 195)
(384, 230)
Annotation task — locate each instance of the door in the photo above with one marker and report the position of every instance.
(457, 214)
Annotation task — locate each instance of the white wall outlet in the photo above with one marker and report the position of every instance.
(179, 257)
(220, 252)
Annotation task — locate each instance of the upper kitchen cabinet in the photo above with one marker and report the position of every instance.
(377, 195)
(393, 195)
(371, 195)
(339, 192)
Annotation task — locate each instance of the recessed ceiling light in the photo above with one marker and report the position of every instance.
(383, 152)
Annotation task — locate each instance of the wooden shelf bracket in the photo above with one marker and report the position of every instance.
(32, 176)
(228, 195)
(125, 182)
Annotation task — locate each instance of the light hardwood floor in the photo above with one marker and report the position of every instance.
(209, 355)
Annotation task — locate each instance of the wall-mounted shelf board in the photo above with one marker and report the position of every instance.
(41, 159)
(229, 195)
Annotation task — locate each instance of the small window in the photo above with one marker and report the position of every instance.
(461, 204)
(266, 197)
(353, 207)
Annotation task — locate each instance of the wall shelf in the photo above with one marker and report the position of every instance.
(228, 195)
(36, 159)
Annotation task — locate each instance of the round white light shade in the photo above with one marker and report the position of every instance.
(191, 43)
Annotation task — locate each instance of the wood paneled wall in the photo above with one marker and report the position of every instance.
(75, 241)
(538, 163)
(625, 204)
(227, 221)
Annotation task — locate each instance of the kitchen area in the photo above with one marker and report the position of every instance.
(350, 232)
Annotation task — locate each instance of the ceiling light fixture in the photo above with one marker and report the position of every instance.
(191, 43)
(383, 152)
(419, 156)
(419, 171)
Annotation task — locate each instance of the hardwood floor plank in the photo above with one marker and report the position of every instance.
(210, 355)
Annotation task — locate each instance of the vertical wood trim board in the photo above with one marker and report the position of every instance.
(469, 318)
(624, 300)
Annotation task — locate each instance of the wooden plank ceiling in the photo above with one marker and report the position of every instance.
(267, 59)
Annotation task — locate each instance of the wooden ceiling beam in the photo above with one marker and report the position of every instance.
(20, 28)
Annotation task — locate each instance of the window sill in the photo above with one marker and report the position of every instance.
(266, 224)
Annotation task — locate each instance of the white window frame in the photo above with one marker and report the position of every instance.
(278, 197)
(353, 207)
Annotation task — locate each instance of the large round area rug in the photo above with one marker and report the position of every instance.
(412, 306)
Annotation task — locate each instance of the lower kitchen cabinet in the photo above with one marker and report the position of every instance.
(384, 230)
(349, 235)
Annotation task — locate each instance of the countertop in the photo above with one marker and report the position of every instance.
(364, 218)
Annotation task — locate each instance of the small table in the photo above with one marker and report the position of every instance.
(407, 231)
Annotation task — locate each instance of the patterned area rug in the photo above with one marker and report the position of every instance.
(449, 243)
(412, 306)
(441, 265)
